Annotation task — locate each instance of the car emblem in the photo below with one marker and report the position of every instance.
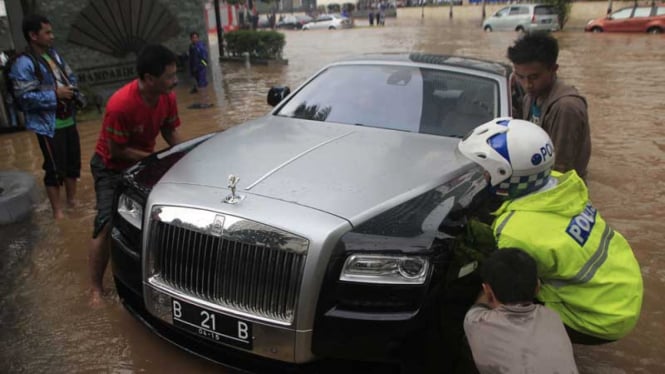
(217, 226)
(233, 198)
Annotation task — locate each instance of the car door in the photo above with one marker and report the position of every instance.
(519, 15)
(316, 23)
(640, 17)
(323, 22)
(498, 21)
(617, 20)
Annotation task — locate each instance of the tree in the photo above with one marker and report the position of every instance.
(562, 8)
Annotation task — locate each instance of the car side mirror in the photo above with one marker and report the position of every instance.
(277, 94)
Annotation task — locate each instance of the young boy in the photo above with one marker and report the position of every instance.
(506, 331)
(553, 105)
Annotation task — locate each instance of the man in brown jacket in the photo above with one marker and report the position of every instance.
(558, 108)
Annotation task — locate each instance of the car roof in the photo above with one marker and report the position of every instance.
(434, 59)
(530, 6)
(536, 5)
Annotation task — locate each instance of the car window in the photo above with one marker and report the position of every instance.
(642, 12)
(660, 11)
(622, 14)
(397, 97)
(544, 10)
(515, 10)
(503, 12)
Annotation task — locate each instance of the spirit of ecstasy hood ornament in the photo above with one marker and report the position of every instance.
(233, 198)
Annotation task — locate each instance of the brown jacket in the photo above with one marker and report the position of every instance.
(564, 117)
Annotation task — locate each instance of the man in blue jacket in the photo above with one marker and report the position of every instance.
(44, 87)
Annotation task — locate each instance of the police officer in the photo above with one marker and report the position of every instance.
(588, 271)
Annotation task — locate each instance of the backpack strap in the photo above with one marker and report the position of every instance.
(60, 63)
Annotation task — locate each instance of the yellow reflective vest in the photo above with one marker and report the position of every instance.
(588, 271)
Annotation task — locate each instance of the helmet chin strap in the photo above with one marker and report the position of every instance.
(495, 190)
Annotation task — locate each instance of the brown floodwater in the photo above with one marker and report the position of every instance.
(47, 326)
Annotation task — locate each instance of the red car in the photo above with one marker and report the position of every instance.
(649, 18)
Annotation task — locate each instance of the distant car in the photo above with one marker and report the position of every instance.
(293, 22)
(332, 243)
(523, 18)
(646, 18)
(447, 2)
(329, 21)
(264, 22)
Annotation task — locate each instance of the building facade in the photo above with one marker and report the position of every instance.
(100, 38)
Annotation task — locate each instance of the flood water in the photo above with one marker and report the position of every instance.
(46, 324)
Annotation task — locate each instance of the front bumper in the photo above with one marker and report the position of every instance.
(338, 334)
(552, 27)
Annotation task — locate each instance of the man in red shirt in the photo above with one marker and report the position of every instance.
(135, 115)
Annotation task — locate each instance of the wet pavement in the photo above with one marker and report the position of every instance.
(46, 324)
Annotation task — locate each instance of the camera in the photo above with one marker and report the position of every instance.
(65, 109)
(79, 98)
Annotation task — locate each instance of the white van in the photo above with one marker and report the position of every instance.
(523, 18)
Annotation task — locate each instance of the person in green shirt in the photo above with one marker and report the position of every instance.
(44, 87)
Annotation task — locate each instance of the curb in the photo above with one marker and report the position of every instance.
(18, 193)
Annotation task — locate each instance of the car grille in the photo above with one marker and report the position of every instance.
(247, 267)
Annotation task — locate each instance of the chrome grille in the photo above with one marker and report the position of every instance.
(247, 266)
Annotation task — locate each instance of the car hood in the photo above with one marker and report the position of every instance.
(349, 171)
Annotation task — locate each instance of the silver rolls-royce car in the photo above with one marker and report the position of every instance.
(315, 231)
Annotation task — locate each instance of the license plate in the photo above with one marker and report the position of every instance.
(546, 21)
(211, 325)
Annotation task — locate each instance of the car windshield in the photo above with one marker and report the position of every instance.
(403, 98)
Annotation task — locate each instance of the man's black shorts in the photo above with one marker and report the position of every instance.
(62, 155)
(106, 182)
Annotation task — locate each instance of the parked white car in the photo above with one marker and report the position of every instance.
(523, 18)
(329, 21)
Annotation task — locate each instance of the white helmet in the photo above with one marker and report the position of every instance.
(517, 154)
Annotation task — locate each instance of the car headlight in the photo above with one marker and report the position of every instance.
(385, 269)
(130, 210)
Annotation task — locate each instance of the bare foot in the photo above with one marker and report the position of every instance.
(96, 299)
(58, 215)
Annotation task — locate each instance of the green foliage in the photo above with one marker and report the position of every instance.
(259, 44)
(562, 9)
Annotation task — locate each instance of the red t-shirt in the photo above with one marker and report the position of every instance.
(128, 120)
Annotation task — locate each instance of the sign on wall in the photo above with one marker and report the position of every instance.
(107, 74)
